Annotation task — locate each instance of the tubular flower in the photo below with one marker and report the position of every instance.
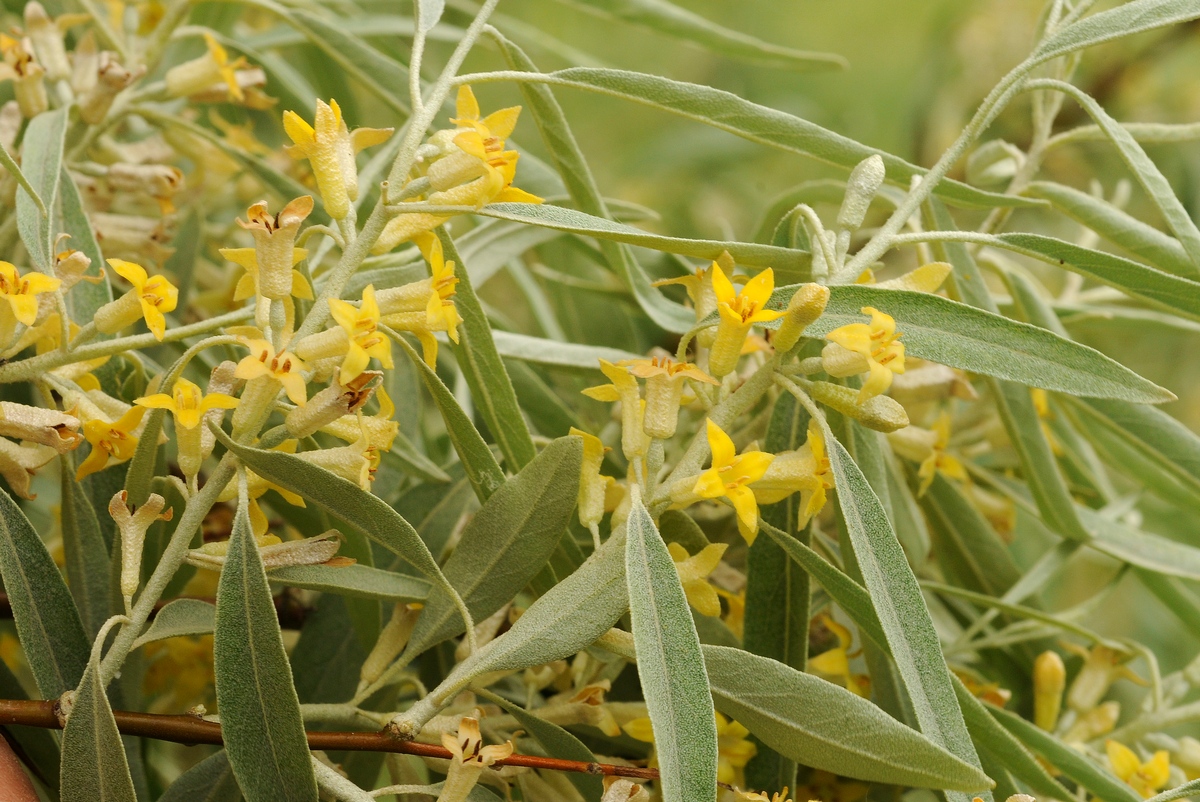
(48, 427)
(928, 447)
(381, 430)
(1102, 665)
(150, 297)
(624, 388)
(330, 148)
(114, 442)
(739, 312)
(21, 294)
(693, 575)
(282, 368)
(433, 299)
(364, 340)
(468, 759)
(269, 264)
(861, 347)
(729, 477)
(805, 471)
(355, 462)
(132, 524)
(200, 74)
(27, 75)
(836, 661)
(1145, 778)
(664, 391)
(704, 299)
(187, 404)
(593, 486)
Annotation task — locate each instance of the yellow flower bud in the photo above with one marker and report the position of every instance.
(1049, 682)
(881, 413)
(804, 308)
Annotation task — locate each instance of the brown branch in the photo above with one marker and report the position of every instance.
(191, 730)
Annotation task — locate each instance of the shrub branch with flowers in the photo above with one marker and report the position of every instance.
(708, 519)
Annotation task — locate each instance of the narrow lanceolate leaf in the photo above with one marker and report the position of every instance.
(901, 609)
(761, 124)
(94, 767)
(41, 158)
(48, 623)
(824, 726)
(506, 543)
(1124, 20)
(180, 617)
(359, 581)
(668, 18)
(966, 543)
(210, 780)
(260, 713)
(670, 665)
(491, 389)
(86, 296)
(962, 336)
(86, 554)
(554, 353)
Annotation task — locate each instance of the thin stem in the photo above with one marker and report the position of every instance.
(415, 59)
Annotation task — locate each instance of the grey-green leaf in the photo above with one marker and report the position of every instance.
(94, 767)
(85, 552)
(1124, 20)
(210, 780)
(825, 726)
(180, 617)
(506, 543)
(85, 297)
(41, 158)
(48, 623)
(260, 713)
(554, 353)
(670, 665)
(361, 581)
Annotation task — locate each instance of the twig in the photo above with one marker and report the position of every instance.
(191, 730)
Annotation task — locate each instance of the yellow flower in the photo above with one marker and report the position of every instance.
(468, 758)
(365, 341)
(380, 428)
(330, 148)
(433, 299)
(700, 290)
(283, 367)
(1102, 665)
(876, 344)
(200, 74)
(269, 263)
(492, 130)
(805, 470)
(664, 391)
(21, 293)
(739, 312)
(760, 796)
(928, 447)
(187, 403)
(734, 751)
(1145, 778)
(110, 441)
(836, 661)
(624, 388)
(593, 486)
(693, 575)
(730, 476)
(735, 610)
(150, 297)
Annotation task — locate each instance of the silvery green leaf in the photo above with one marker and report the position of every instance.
(85, 297)
(1140, 548)
(672, 20)
(670, 666)
(822, 725)
(428, 14)
(94, 767)
(1124, 20)
(142, 468)
(210, 780)
(85, 552)
(180, 617)
(260, 713)
(47, 620)
(41, 159)
(361, 581)
(965, 542)
(491, 389)
(328, 656)
(554, 353)
(506, 543)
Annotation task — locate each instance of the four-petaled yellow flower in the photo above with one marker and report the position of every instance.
(624, 388)
(200, 74)
(739, 312)
(693, 575)
(365, 340)
(114, 441)
(876, 346)
(187, 403)
(593, 485)
(330, 148)
(150, 298)
(21, 293)
(426, 306)
(269, 264)
(729, 477)
(664, 391)
(805, 470)
(1145, 778)
(282, 367)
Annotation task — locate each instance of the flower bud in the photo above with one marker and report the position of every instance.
(47, 41)
(221, 380)
(1049, 681)
(931, 382)
(86, 65)
(1187, 756)
(332, 403)
(1096, 722)
(156, 180)
(881, 413)
(392, 640)
(48, 427)
(111, 79)
(864, 182)
(841, 362)
(803, 309)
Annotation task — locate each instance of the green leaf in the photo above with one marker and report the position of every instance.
(85, 297)
(1124, 20)
(94, 767)
(180, 617)
(210, 780)
(12, 168)
(47, 620)
(1070, 762)
(1116, 225)
(1140, 548)
(966, 542)
(670, 666)
(41, 158)
(506, 543)
(561, 218)
(260, 713)
(988, 734)
(901, 609)
(554, 353)
(477, 459)
(557, 742)
(672, 20)
(491, 389)
(824, 726)
(361, 581)
(85, 552)
(756, 123)
(143, 466)
(962, 336)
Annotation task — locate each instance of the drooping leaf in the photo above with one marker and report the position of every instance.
(180, 617)
(86, 554)
(360, 581)
(41, 159)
